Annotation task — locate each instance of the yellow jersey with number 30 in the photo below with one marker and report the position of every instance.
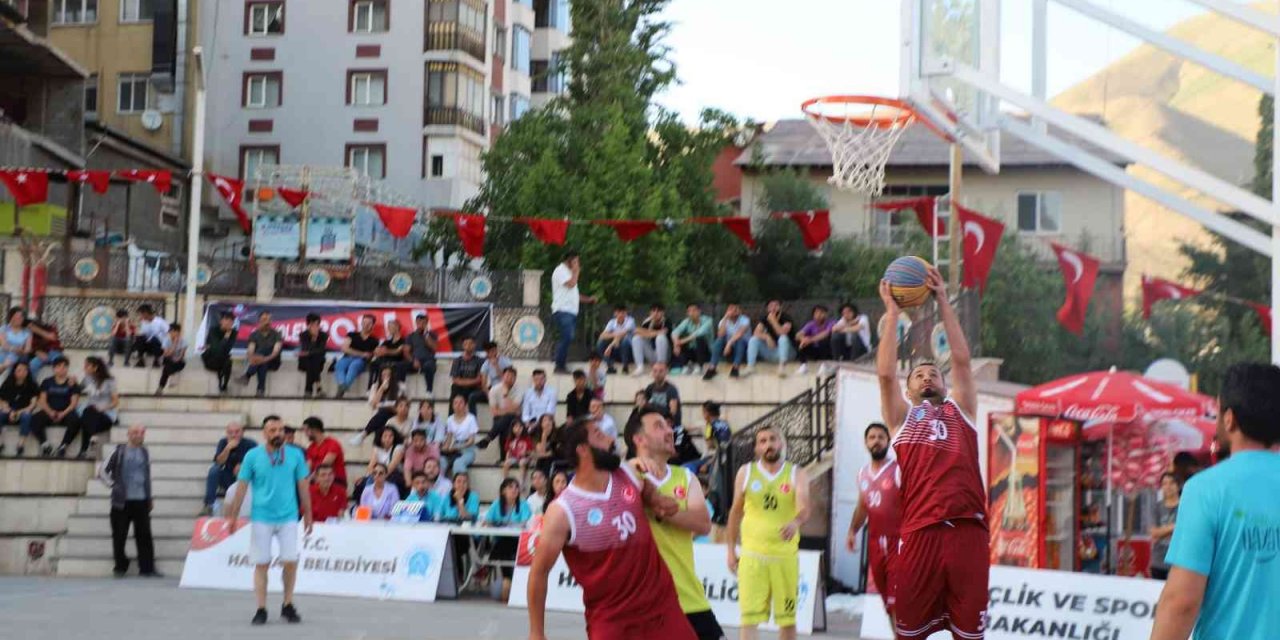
(676, 544)
(769, 503)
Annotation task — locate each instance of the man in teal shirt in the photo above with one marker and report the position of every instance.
(691, 341)
(1225, 554)
(277, 475)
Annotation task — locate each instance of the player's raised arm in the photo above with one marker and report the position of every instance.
(964, 392)
(893, 408)
(551, 541)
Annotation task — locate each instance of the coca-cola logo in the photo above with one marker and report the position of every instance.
(1102, 412)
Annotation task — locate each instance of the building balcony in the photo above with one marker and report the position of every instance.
(455, 116)
(446, 36)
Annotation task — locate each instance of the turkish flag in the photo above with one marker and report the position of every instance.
(232, 192)
(27, 186)
(738, 226)
(397, 220)
(924, 208)
(1264, 315)
(815, 226)
(295, 197)
(547, 230)
(161, 180)
(1156, 289)
(471, 232)
(630, 230)
(1079, 274)
(981, 240)
(99, 180)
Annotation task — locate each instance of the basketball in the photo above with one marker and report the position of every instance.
(906, 277)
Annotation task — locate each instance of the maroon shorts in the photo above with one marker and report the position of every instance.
(938, 580)
(670, 624)
(879, 551)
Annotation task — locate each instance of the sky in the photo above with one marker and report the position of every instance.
(758, 61)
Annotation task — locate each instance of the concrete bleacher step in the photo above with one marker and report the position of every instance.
(161, 526)
(164, 506)
(167, 547)
(97, 567)
(188, 419)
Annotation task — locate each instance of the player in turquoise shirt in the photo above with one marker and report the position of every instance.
(1225, 554)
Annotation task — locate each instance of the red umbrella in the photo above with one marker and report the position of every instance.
(1111, 396)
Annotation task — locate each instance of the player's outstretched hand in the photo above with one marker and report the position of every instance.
(886, 296)
(665, 506)
(933, 280)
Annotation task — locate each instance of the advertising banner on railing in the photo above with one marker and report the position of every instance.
(451, 323)
(277, 237)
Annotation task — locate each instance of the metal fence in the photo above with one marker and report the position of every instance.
(116, 270)
(807, 423)
(372, 282)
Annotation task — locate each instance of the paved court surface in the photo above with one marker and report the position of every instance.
(136, 609)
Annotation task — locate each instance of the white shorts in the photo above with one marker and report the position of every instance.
(260, 535)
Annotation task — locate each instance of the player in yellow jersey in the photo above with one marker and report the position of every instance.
(654, 443)
(770, 504)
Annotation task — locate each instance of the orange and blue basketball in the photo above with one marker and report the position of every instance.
(906, 277)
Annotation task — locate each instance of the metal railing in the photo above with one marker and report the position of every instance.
(455, 116)
(807, 423)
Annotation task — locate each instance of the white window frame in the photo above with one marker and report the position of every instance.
(267, 8)
(171, 207)
(1045, 200)
(259, 155)
(498, 105)
(369, 6)
(515, 52)
(499, 40)
(368, 78)
(136, 5)
(59, 10)
(362, 165)
(134, 79)
(264, 80)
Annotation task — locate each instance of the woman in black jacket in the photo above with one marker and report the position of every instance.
(18, 402)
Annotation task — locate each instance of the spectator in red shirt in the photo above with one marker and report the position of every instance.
(328, 499)
(325, 450)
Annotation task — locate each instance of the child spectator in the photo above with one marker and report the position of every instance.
(173, 356)
(122, 332)
(519, 450)
(597, 374)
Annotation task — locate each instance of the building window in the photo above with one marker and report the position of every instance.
(136, 10)
(91, 96)
(133, 93)
(1040, 212)
(251, 160)
(498, 110)
(75, 11)
(519, 106)
(264, 18)
(262, 90)
(552, 14)
(369, 16)
(366, 88)
(457, 25)
(499, 40)
(437, 166)
(521, 49)
(538, 73)
(171, 206)
(547, 75)
(456, 95)
(369, 159)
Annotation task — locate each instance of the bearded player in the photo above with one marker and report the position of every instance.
(599, 523)
(878, 507)
(654, 442)
(938, 576)
(770, 504)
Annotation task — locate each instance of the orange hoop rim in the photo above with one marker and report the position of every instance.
(905, 116)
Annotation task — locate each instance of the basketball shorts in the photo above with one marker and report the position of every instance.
(938, 580)
(705, 625)
(260, 536)
(880, 550)
(669, 624)
(768, 584)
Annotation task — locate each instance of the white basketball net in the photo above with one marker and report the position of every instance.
(859, 152)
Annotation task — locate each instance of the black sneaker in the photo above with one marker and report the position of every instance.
(46, 450)
(307, 394)
(119, 573)
(61, 452)
(290, 614)
(140, 365)
(562, 370)
(483, 444)
(709, 374)
(259, 618)
(733, 373)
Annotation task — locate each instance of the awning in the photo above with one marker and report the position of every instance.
(24, 53)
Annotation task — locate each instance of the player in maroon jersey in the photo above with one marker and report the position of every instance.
(878, 508)
(599, 523)
(938, 576)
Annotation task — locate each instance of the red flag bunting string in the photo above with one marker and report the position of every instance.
(924, 208)
(1157, 289)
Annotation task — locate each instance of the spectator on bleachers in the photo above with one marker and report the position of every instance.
(539, 492)
(217, 349)
(546, 448)
(597, 375)
(16, 346)
(717, 436)
(46, 346)
(401, 421)
(18, 395)
(492, 367)
(420, 491)
(650, 342)
(312, 345)
(559, 482)
(691, 341)
(356, 354)
(328, 498)
(509, 510)
(732, 335)
(379, 495)
(57, 403)
(851, 335)
(227, 456)
(538, 399)
(603, 419)
(151, 329)
(390, 456)
(325, 450)
(458, 450)
(422, 349)
(464, 375)
(518, 452)
(814, 341)
(122, 332)
(428, 422)
(129, 468)
(578, 402)
(565, 300)
(263, 352)
(664, 394)
(772, 339)
(382, 399)
(504, 399)
(100, 401)
(419, 451)
(436, 482)
(462, 504)
(392, 353)
(173, 355)
(614, 343)
(291, 440)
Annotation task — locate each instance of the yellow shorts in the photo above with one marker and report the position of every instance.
(768, 584)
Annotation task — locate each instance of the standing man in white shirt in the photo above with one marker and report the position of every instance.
(152, 329)
(538, 401)
(565, 299)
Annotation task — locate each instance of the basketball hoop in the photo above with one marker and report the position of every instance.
(861, 132)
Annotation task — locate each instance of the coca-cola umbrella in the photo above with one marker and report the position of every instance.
(1111, 396)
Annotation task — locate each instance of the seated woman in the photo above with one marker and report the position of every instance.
(539, 492)
(18, 402)
(382, 399)
(379, 495)
(15, 340)
(458, 450)
(400, 421)
(546, 447)
(100, 400)
(462, 504)
(427, 420)
(507, 511)
(391, 456)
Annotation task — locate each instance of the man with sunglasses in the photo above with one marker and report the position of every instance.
(277, 474)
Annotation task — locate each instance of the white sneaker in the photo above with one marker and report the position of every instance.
(639, 372)
(804, 368)
(748, 370)
(694, 370)
(356, 439)
(782, 370)
(824, 370)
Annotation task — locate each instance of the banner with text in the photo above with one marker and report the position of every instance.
(1040, 603)
(721, 586)
(451, 323)
(393, 562)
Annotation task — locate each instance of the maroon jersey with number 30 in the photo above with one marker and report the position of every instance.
(937, 449)
(880, 493)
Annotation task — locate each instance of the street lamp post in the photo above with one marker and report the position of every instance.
(197, 184)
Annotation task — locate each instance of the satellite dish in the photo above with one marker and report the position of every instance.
(151, 120)
(1170, 371)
